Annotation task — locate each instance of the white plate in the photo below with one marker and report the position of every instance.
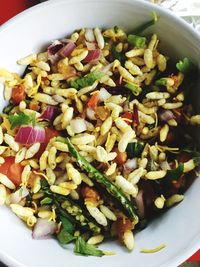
(179, 228)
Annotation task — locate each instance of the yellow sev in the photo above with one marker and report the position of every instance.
(152, 250)
(166, 148)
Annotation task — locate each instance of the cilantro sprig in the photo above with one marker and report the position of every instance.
(21, 118)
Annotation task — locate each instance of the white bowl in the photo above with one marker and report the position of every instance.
(32, 30)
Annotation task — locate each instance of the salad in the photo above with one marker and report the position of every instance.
(97, 137)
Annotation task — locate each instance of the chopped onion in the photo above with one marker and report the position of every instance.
(67, 49)
(28, 135)
(90, 114)
(93, 56)
(103, 94)
(130, 164)
(53, 50)
(78, 125)
(49, 113)
(166, 115)
(140, 203)
(43, 229)
(18, 195)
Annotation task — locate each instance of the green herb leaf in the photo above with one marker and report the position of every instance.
(21, 119)
(147, 24)
(64, 237)
(162, 81)
(46, 201)
(117, 55)
(134, 88)
(83, 248)
(185, 65)
(134, 150)
(175, 173)
(87, 80)
(67, 225)
(137, 41)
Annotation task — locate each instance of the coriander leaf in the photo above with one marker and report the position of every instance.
(137, 41)
(21, 119)
(67, 225)
(134, 150)
(175, 173)
(46, 201)
(185, 65)
(83, 248)
(64, 237)
(134, 88)
(147, 24)
(87, 80)
(117, 55)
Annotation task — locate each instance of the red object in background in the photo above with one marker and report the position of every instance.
(195, 257)
(10, 8)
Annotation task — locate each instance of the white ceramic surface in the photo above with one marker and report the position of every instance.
(179, 228)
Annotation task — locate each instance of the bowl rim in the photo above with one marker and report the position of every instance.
(190, 248)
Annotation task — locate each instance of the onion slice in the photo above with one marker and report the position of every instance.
(49, 113)
(78, 125)
(93, 56)
(130, 164)
(166, 115)
(103, 94)
(28, 135)
(140, 203)
(44, 229)
(53, 51)
(67, 49)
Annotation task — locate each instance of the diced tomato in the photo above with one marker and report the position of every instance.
(18, 94)
(128, 117)
(122, 226)
(34, 105)
(121, 156)
(49, 133)
(90, 194)
(93, 102)
(12, 170)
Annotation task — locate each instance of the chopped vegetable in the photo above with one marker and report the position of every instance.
(185, 65)
(136, 41)
(87, 80)
(103, 181)
(93, 101)
(29, 135)
(12, 170)
(134, 150)
(162, 81)
(18, 94)
(147, 24)
(174, 174)
(121, 157)
(46, 201)
(21, 118)
(83, 248)
(65, 237)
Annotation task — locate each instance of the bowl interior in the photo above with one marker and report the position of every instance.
(30, 32)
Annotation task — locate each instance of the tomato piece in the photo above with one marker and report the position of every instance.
(128, 117)
(90, 194)
(93, 102)
(49, 133)
(12, 170)
(121, 156)
(18, 94)
(34, 105)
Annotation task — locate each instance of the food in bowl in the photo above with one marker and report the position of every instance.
(96, 138)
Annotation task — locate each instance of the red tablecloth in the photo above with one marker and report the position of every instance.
(10, 8)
